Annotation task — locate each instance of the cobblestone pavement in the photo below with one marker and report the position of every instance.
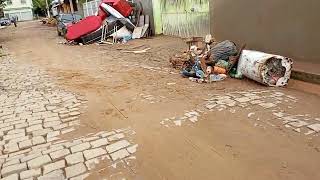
(207, 131)
(34, 113)
(255, 102)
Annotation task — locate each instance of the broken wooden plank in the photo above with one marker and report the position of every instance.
(138, 52)
(137, 33)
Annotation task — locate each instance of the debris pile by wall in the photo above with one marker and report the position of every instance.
(116, 21)
(211, 61)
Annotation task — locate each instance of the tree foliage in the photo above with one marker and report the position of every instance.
(39, 4)
(39, 7)
(2, 3)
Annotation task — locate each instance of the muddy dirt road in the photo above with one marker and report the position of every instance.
(235, 129)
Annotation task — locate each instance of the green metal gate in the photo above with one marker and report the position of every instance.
(185, 18)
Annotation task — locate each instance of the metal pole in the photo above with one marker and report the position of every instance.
(91, 4)
(48, 11)
(87, 7)
(71, 6)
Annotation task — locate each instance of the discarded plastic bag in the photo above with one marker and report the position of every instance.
(195, 71)
(122, 33)
(222, 51)
(268, 69)
(217, 77)
(196, 80)
(234, 74)
(222, 63)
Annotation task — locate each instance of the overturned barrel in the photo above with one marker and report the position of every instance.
(268, 69)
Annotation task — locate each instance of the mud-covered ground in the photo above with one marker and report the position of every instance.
(235, 129)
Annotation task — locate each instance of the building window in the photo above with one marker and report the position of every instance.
(9, 2)
(23, 1)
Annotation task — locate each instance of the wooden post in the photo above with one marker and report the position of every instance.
(48, 11)
(87, 8)
(71, 6)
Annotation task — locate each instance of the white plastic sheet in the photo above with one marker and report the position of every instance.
(121, 33)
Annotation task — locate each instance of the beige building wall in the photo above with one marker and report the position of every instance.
(20, 8)
(286, 27)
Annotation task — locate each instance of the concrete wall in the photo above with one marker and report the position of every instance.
(23, 14)
(287, 27)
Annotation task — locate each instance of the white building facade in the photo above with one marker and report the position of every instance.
(20, 8)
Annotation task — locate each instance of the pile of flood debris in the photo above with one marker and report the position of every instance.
(116, 21)
(49, 21)
(207, 61)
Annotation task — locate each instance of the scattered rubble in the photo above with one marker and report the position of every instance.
(151, 98)
(267, 100)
